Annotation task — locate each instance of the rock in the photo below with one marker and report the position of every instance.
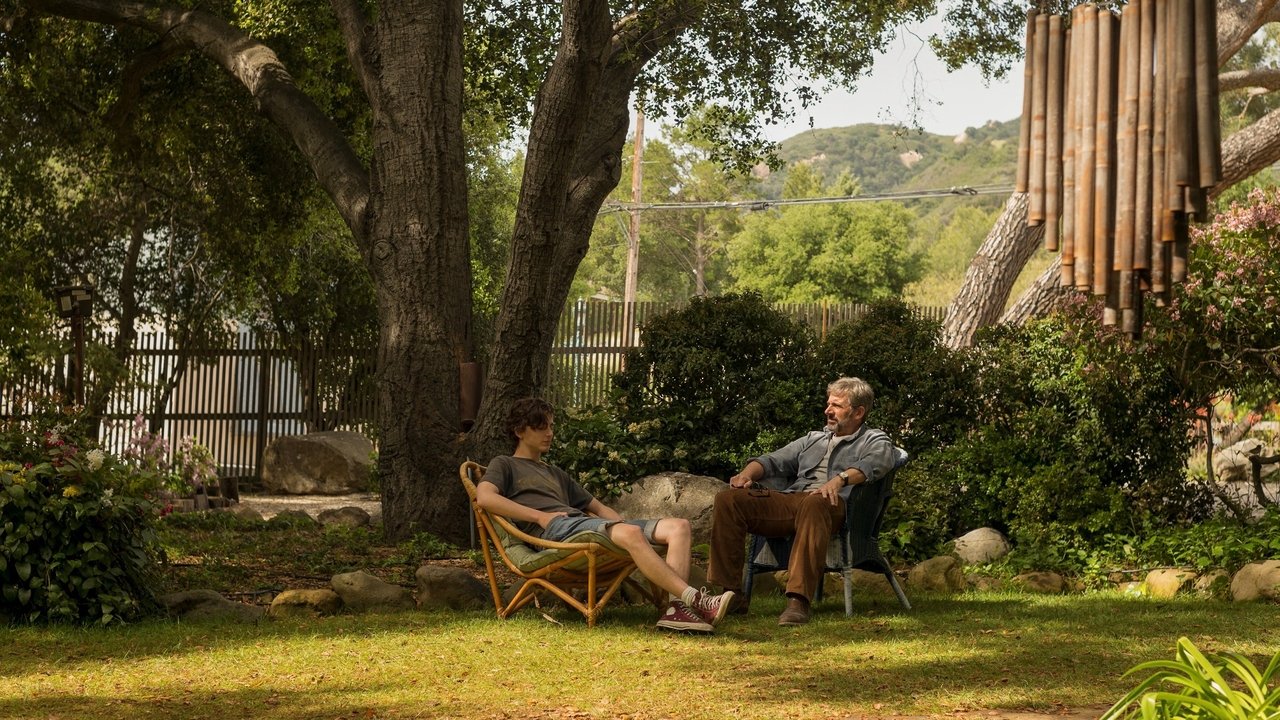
(983, 545)
(1168, 582)
(323, 463)
(870, 583)
(1133, 588)
(190, 605)
(1214, 584)
(349, 516)
(673, 494)
(1048, 583)
(450, 587)
(766, 584)
(245, 512)
(984, 583)
(1257, 581)
(292, 517)
(939, 574)
(305, 602)
(1232, 464)
(362, 592)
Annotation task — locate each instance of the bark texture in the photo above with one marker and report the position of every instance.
(991, 274)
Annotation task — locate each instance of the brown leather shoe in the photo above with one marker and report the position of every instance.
(797, 612)
(741, 603)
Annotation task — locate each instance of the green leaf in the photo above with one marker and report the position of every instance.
(24, 570)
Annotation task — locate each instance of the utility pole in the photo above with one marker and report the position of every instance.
(633, 233)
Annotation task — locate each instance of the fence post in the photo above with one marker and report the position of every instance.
(264, 392)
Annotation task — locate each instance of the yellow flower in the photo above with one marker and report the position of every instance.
(71, 491)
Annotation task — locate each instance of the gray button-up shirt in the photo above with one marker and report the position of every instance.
(868, 450)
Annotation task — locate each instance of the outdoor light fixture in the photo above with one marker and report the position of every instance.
(75, 303)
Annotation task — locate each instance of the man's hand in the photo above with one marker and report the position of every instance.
(741, 480)
(830, 490)
(546, 518)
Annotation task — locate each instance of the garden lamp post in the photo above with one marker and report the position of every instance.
(75, 302)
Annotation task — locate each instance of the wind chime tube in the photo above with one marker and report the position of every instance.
(1070, 129)
(1104, 179)
(1208, 122)
(1024, 135)
(1086, 170)
(1126, 154)
(1053, 134)
(1186, 171)
(1187, 167)
(1159, 157)
(1143, 178)
(1039, 98)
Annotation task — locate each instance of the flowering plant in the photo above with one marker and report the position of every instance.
(78, 543)
(1224, 322)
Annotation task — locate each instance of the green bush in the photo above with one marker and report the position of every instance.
(924, 390)
(1078, 435)
(603, 454)
(718, 381)
(76, 536)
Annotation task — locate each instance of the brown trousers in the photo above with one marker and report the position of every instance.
(811, 518)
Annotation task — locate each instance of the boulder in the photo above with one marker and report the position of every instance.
(362, 592)
(1257, 581)
(350, 516)
(673, 494)
(305, 602)
(984, 583)
(323, 463)
(1231, 464)
(1048, 583)
(245, 512)
(450, 588)
(1214, 584)
(1168, 582)
(864, 584)
(983, 545)
(190, 605)
(293, 517)
(938, 574)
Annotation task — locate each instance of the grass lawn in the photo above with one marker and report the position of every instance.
(975, 655)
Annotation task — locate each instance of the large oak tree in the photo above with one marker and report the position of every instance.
(404, 196)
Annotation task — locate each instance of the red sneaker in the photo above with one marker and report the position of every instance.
(679, 616)
(713, 608)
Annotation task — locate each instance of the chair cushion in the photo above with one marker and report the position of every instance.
(531, 559)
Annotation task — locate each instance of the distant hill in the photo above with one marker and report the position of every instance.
(886, 158)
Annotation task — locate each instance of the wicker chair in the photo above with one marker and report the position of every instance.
(856, 545)
(588, 561)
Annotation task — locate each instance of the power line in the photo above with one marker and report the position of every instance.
(756, 205)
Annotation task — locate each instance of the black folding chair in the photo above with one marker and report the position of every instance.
(854, 546)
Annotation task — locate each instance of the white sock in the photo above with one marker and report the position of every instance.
(688, 595)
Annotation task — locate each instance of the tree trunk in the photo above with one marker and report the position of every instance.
(991, 274)
(418, 255)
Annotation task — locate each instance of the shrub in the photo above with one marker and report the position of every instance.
(719, 380)
(924, 391)
(77, 542)
(1078, 435)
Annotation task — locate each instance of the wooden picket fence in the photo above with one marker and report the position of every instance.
(236, 399)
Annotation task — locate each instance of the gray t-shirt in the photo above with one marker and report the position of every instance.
(537, 485)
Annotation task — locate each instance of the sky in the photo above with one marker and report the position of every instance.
(949, 102)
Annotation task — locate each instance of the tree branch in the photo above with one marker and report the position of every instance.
(1268, 78)
(355, 31)
(255, 66)
(1238, 21)
(120, 115)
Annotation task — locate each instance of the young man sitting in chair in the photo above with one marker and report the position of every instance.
(545, 502)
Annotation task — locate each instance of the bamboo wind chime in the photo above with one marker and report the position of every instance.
(1119, 143)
